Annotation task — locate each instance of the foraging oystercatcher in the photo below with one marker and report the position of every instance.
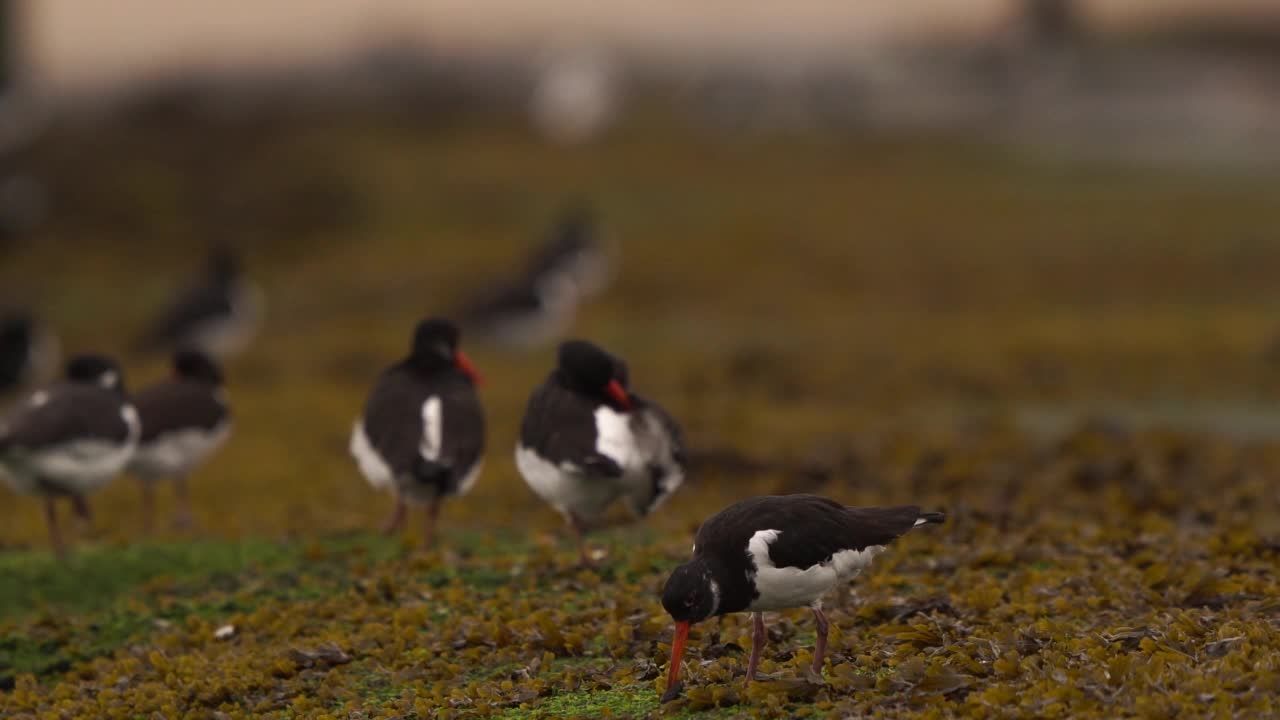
(422, 432)
(574, 251)
(216, 315)
(777, 552)
(586, 441)
(27, 350)
(184, 420)
(70, 438)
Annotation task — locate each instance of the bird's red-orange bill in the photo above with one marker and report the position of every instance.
(677, 654)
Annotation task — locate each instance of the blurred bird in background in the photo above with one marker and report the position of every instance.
(70, 438)
(184, 420)
(218, 313)
(538, 307)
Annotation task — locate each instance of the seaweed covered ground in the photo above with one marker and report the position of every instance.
(1077, 363)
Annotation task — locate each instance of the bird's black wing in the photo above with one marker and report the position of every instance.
(393, 420)
(560, 426)
(463, 431)
(65, 413)
(674, 434)
(178, 405)
(810, 528)
(187, 311)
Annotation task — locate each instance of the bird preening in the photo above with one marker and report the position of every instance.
(588, 440)
(774, 553)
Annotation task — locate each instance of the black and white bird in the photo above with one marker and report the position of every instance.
(777, 552)
(70, 438)
(28, 351)
(422, 433)
(539, 306)
(529, 313)
(184, 420)
(587, 441)
(218, 314)
(574, 251)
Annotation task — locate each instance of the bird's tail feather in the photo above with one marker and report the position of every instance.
(930, 517)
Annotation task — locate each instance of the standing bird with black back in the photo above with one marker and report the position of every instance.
(422, 433)
(574, 251)
(70, 438)
(529, 313)
(218, 314)
(587, 441)
(773, 553)
(184, 420)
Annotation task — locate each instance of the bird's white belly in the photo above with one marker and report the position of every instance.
(789, 587)
(177, 453)
(566, 488)
(79, 466)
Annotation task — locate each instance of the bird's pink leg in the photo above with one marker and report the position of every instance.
(182, 518)
(80, 506)
(55, 535)
(429, 522)
(580, 534)
(820, 648)
(396, 521)
(757, 645)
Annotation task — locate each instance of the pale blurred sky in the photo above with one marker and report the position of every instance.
(73, 44)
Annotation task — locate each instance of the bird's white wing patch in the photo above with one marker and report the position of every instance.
(38, 398)
(788, 587)
(371, 464)
(919, 522)
(614, 438)
(431, 428)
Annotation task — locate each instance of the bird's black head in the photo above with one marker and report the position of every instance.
(691, 594)
(97, 370)
(588, 369)
(196, 366)
(435, 347)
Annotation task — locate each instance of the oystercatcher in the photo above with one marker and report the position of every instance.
(70, 438)
(217, 315)
(777, 552)
(526, 314)
(27, 350)
(574, 251)
(184, 420)
(422, 433)
(586, 441)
